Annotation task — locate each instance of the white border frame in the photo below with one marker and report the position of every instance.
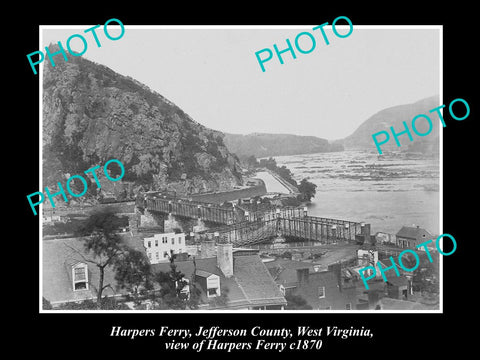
(311, 312)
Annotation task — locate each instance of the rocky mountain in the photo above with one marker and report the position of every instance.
(394, 116)
(262, 145)
(92, 114)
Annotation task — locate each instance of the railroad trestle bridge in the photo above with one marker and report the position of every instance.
(245, 225)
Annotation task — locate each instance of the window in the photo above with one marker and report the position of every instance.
(179, 240)
(157, 255)
(164, 240)
(79, 274)
(173, 241)
(348, 306)
(212, 292)
(156, 242)
(321, 292)
(149, 256)
(149, 244)
(81, 285)
(80, 277)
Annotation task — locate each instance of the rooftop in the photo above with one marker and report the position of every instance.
(387, 303)
(284, 271)
(250, 285)
(58, 256)
(416, 233)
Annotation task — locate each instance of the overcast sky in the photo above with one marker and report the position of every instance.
(213, 74)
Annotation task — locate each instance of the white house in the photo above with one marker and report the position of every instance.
(160, 246)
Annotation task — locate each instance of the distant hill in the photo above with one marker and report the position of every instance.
(394, 116)
(262, 145)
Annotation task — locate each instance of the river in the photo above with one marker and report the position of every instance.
(386, 191)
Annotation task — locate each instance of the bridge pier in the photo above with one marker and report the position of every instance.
(133, 221)
(243, 225)
(200, 226)
(148, 219)
(171, 223)
(207, 248)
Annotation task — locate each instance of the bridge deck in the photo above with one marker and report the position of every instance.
(242, 227)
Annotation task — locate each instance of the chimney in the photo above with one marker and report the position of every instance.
(225, 259)
(366, 231)
(302, 275)
(207, 248)
(373, 298)
(336, 268)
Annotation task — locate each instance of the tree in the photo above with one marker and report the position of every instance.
(194, 293)
(172, 284)
(286, 174)
(107, 304)
(133, 273)
(296, 302)
(307, 189)
(102, 245)
(222, 300)
(425, 276)
(269, 163)
(292, 201)
(251, 162)
(46, 304)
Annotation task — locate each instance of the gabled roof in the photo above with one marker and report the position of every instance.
(397, 281)
(415, 233)
(58, 256)
(255, 280)
(250, 285)
(204, 274)
(284, 271)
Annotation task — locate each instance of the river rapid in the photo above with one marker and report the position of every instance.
(387, 191)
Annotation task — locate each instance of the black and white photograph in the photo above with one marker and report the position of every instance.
(224, 185)
(239, 183)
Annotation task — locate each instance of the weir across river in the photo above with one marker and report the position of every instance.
(244, 225)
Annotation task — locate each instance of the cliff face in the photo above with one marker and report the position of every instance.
(263, 145)
(92, 114)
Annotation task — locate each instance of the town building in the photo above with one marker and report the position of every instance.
(399, 288)
(69, 277)
(160, 247)
(410, 237)
(385, 238)
(322, 289)
(229, 281)
(226, 279)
